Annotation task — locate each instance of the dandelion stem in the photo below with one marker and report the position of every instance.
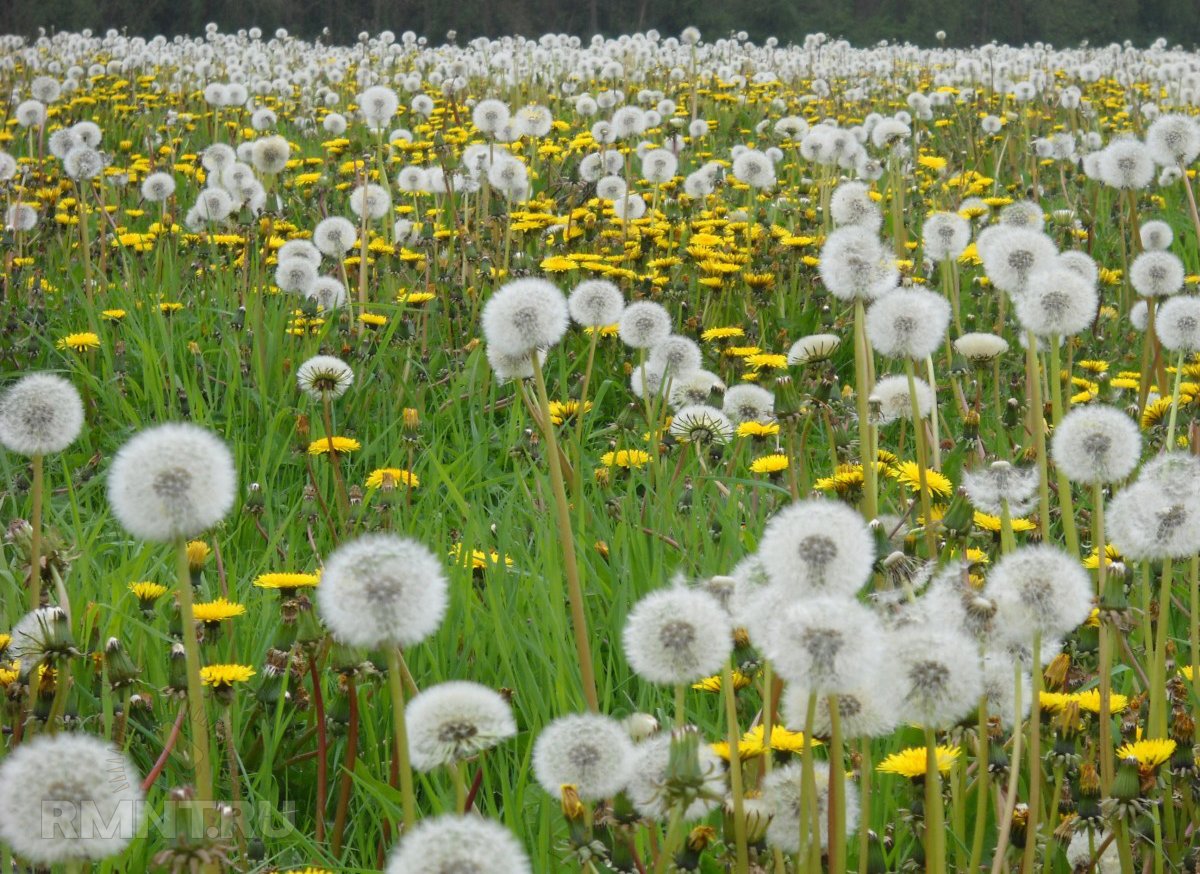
(1014, 771)
(922, 462)
(862, 391)
(735, 769)
(808, 789)
(1157, 726)
(982, 786)
(1175, 390)
(837, 789)
(864, 827)
(343, 802)
(35, 540)
(1035, 753)
(583, 648)
(408, 799)
(1106, 630)
(1037, 427)
(1070, 531)
(458, 772)
(935, 832)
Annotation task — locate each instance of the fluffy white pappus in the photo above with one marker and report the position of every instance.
(1126, 164)
(172, 481)
(980, 348)
(867, 705)
(1096, 444)
(69, 797)
(595, 303)
(696, 387)
(217, 157)
(817, 546)
(270, 154)
(412, 179)
(644, 324)
(755, 169)
(589, 751)
(892, 398)
(1057, 302)
(908, 324)
(39, 633)
(1081, 263)
(456, 720)
(21, 217)
(945, 236)
(747, 402)
(1176, 473)
(1156, 274)
(508, 175)
(851, 204)
(324, 377)
(462, 843)
(295, 275)
(509, 367)
(489, 116)
(371, 198)
(1177, 324)
(823, 642)
(1173, 140)
(939, 673)
(786, 800)
(40, 414)
(676, 356)
(524, 315)
(1148, 523)
(659, 166)
(855, 265)
(378, 104)
(299, 248)
(1039, 589)
(1156, 235)
(702, 425)
(1000, 483)
(1139, 315)
(813, 349)
(1011, 255)
(999, 671)
(1083, 846)
(1023, 214)
(649, 773)
(328, 292)
(677, 635)
(335, 236)
(382, 590)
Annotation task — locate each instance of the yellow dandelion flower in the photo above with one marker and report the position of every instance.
(197, 554)
(5, 640)
(398, 476)
(560, 411)
(286, 580)
(721, 334)
(1090, 701)
(1150, 754)
(146, 592)
(769, 464)
(217, 611)
(782, 739)
(627, 458)
(1111, 556)
(477, 559)
(991, 523)
(81, 342)
(767, 360)
(341, 445)
(713, 683)
(758, 429)
(9, 673)
(168, 307)
(373, 320)
(908, 474)
(911, 762)
(1155, 412)
(225, 676)
(113, 315)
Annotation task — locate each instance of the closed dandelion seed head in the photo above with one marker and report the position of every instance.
(650, 781)
(524, 315)
(335, 236)
(595, 303)
(458, 844)
(945, 236)
(817, 546)
(854, 264)
(68, 797)
(270, 154)
(40, 634)
(1156, 274)
(382, 590)
(1040, 589)
(1156, 235)
(1057, 302)
(589, 751)
(1172, 140)
(823, 642)
(851, 204)
(371, 199)
(1178, 324)
(784, 795)
(813, 349)
(980, 348)
(1126, 164)
(908, 324)
(1096, 444)
(938, 672)
(747, 402)
(1011, 255)
(644, 324)
(172, 481)
(677, 635)
(453, 721)
(324, 377)
(892, 398)
(696, 387)
(40, 414)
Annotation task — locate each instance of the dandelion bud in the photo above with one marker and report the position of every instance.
(640, 726)
(572, 808)
(698, 839)
(121, 670)
(411, 419)
(1127, 783)
(177, 681)
(1011, 413)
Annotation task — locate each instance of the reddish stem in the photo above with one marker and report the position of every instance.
(166, 752)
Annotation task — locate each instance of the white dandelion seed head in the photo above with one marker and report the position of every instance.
(595, 303)
(372, 198)
(489, 116)
(1040, 589)
(1023, 214)
(938, 672)
(611, 188)
(89, 786)
(62, 142)
(406, 231)
(453, 721)
(980, 348)
(867, 705)
(675, 356)
(382, 590)
(334, 123)
(1156, 274)
(217, 157)
(855, 264)
(755, 169)
(677, 635)
(263, 119)
(945, 236)
(1149, 523)
(213, 205)
(8, 166)
(701, 424)
(822, 642)
(892, 397)
(1156, 235)
(698, 185)
(295, 275)
(659, 166)
(378, 104)
(591, 752)
(696, 387)
(458, 844)
(1096, 444)
(270, 154)
(36, 635)
(649, 773)
(46, 89)
(412, 179)
(1057, 302)
(157, 187)
(509, 367)
(998, 688)
(1139, 314)
(1175, 473)
(508, 176)
(1178, 324)
(908, 324)
(1173, 140)
(1011, 255)
(83, 162)
(851, 204)
(171, 481)
(817, 546)
(324, 377)
(21, 217)
(1126, 164)
(785, 798)
(30, 113)
(335, 236)
(644, 324)
(1084, 844)
(524, 315)
(328, 292)
(40, 414)
(813, 349)
(631, 207)
(1081, 263)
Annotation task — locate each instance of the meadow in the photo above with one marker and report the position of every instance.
(639, 454)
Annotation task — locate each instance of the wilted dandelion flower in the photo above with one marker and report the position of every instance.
(335, 236)
(817, 546)
(382, 590)
(523, 315)
(1040, 588)
(945, 236)
(40, 414)
(1056, 302)
(938, 672)
(644, 324)
(990, 488)
(324, 377)
(453, 721)
(458, 843)
(589, 751)
(1096, 444)
(1156, 274)
(784, 795)
(595, 303)
(650, 780)
(372, 199)
(892, 395)
(908, 324)
(68, 797)
(1178, 324)
(677, 635)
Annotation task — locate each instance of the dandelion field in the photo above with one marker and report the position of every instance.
(442, 458)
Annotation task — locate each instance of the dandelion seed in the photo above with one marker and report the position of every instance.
(591, 752)
(453, 721)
